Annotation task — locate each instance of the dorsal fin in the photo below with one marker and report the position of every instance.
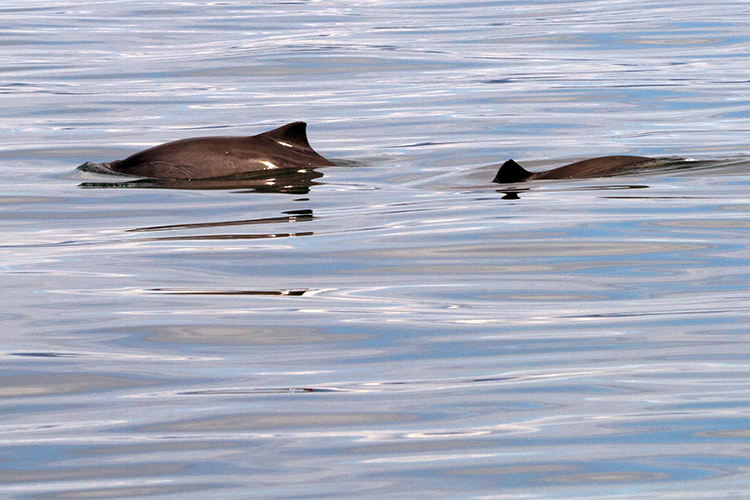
(292, 134)
(511, 172)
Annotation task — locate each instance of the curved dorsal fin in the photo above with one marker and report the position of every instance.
(511, 172)
(291, 133)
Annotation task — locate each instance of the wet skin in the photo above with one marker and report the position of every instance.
(603, 166)
(284, 148)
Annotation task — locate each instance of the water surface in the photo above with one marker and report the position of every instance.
(399, 327)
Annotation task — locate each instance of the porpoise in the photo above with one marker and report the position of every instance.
(212, 157)
(603, 166)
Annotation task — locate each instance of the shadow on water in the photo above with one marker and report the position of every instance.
(278, 181)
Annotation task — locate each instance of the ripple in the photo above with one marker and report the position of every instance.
(235, 335)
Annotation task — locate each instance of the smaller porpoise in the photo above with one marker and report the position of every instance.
(210, 157)
(603, 166)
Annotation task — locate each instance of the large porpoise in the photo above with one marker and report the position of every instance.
(604, 166)
(211, 157)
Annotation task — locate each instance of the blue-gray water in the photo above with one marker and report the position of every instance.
(405, 329)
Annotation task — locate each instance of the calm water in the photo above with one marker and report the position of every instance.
(402, 328)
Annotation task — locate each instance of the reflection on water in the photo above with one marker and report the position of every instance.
(257, 390)
(291, 293)
(294, 216)
(227, 237)
(280, 181)
(304, 215)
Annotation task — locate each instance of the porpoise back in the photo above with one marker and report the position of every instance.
(603, 166)
(209, 157)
